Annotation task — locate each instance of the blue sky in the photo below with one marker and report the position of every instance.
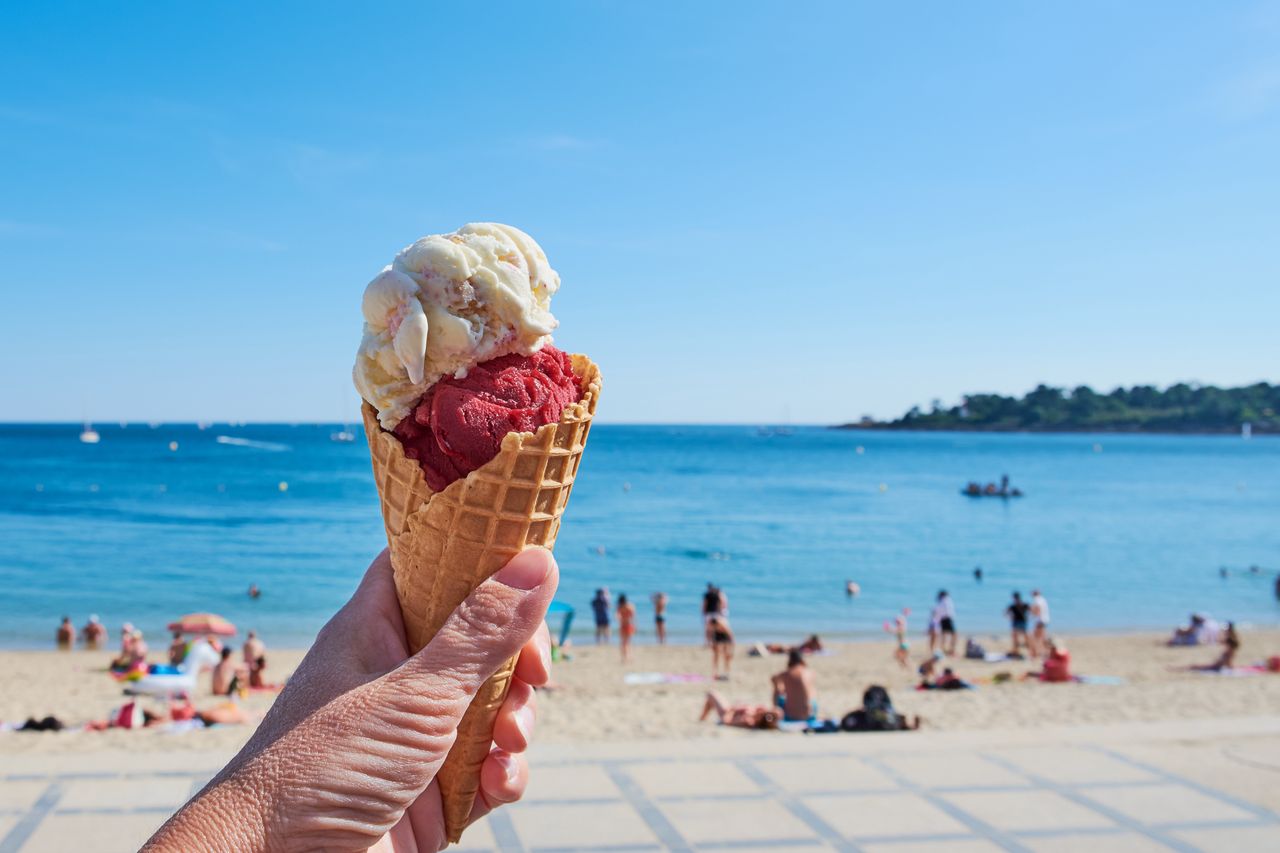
(759, 211)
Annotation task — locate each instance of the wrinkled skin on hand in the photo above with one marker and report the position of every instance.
(346, 758)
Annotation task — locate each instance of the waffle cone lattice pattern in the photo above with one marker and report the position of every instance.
(445, 544)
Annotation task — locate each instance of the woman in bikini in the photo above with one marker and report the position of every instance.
(626, 625)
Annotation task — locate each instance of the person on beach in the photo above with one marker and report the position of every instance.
(902, 649)
(1040, 610)
(224, 681)
(1057, 663)
(714, 604)
(363, 726)
(808, 646)
(626, 625)
(139, 650)
(66, 635)
(721, 647)
(1230, 647)
(947, 622)
(177, 649)
(1017, 612)
(794, 690)
(254, 650)
(258, 673)
(600, 607)
(742, 715)
(125, 658)
(659, 600)
(1201, 630)
(94, 633)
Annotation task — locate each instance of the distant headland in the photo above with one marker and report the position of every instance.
(1181, 408)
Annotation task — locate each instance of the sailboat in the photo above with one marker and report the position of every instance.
(345, 434)
(89, 435)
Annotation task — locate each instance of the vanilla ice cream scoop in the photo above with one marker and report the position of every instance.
(448, 302)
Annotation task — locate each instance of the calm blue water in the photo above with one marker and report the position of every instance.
(1131, 536)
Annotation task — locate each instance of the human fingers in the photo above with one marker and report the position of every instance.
(487, 629)
(534, 664)
(503, 779)
(513, 727)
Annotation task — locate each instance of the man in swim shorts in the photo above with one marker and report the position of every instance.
(794, 690)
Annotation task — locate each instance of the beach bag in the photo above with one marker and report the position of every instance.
(973, 650)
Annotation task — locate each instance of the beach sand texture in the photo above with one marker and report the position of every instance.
(591, 703)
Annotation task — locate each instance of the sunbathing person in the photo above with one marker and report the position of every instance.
(947, 681)
(794, 690)
(1230, 646)
(742, 715)
(808, 646)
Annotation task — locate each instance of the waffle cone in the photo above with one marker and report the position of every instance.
(445, 544)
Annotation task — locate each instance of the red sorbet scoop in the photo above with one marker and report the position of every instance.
(458, 425)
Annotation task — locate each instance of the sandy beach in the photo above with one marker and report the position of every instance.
(590, 701)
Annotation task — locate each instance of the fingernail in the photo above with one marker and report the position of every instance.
(509, 765)
(526, 569)
(524, 719)
(544, 652)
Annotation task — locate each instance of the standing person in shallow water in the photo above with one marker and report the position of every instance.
(94, 633)
(600, 607)
(626, 625)
(660, 616)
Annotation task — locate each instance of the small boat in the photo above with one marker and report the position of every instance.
(343, 435)
(89, 435)
(991, 490)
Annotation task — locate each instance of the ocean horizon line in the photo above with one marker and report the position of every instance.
(878, 428)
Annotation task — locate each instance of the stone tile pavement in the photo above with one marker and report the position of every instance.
(1157, 787)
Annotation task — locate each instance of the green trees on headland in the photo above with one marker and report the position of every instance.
(1142, 408)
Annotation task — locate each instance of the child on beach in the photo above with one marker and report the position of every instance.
(902, 651)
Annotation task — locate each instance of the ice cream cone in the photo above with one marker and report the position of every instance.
(445, 544)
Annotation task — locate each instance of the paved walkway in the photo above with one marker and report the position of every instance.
(1176, 786)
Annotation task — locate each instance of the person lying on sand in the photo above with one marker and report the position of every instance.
(810, 645)
(742, 715)
(363, 726)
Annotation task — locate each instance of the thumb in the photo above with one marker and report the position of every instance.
(488, 628)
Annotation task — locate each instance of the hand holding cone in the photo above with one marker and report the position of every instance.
(445, 544)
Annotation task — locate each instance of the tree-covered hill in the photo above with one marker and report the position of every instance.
(1142, 408)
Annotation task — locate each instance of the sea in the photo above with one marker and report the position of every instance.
(1120, 532)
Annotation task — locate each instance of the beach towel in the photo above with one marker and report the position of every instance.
(1235, 671)
(636, 678)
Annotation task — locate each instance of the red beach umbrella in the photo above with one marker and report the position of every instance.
(203, 623)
